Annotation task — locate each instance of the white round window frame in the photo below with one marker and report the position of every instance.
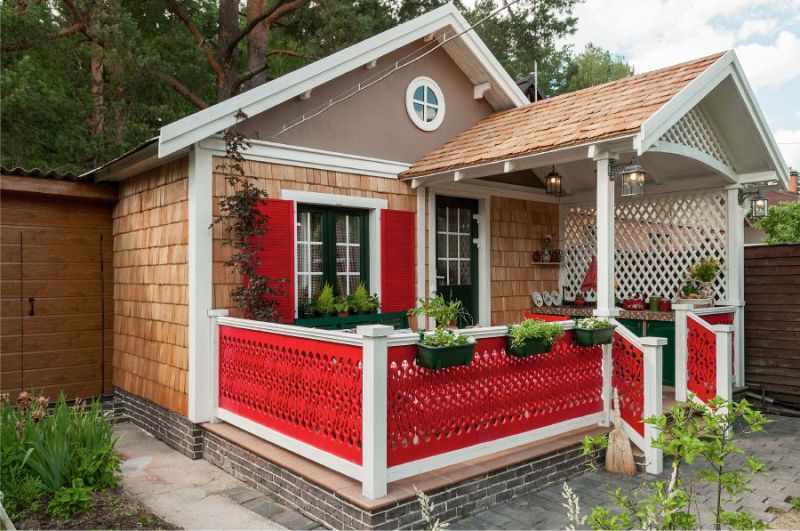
(422, 124)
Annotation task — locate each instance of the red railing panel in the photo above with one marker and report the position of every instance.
(495, 396)
(701, 360)
(724, 319)
(304, 388)
(628, 377)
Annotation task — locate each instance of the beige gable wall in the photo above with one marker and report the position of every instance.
(374, 123)
(150, 286)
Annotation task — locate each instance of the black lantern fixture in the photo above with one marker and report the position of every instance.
(632, 177)
(759, 204)
(553, 182)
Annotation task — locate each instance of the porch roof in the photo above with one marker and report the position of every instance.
(614, 109)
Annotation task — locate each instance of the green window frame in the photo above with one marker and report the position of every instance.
(332, 246)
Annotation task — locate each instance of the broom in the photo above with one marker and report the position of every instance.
(619, 456)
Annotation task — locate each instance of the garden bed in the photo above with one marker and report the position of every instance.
(113, 509)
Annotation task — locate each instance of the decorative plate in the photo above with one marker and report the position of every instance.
(537, 299)
(547, 299)
(556, 298)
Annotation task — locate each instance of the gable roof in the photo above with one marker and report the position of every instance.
(468, 51)
(606, 111)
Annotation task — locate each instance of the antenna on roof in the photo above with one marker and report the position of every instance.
(535, 81)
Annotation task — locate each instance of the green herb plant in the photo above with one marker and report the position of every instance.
(705, 270)
(594, 323)
(326, 300)
(341, 305)
(534, 329)
(443, 312)
(442, 337)
(69, 501)
(361, 301)
(692, 432)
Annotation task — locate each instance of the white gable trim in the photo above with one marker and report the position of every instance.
(311, 158)
(728, 65)
(207, 122)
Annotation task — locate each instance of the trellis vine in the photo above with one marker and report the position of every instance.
(244, 224)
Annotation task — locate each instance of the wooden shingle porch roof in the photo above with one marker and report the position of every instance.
(601, 112)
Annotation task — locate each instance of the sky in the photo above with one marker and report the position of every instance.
(656, 33)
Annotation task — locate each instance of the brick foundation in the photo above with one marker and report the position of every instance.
(168, 426)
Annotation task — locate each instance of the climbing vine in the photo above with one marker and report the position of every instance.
(244, 223)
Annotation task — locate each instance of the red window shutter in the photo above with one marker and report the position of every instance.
(397, 260)
(277, 254)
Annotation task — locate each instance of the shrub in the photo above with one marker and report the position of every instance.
(534, 329)
(782, 223)
(361, 301)
(443, 312)
(705, 270)
(69, 501)
(326, 302)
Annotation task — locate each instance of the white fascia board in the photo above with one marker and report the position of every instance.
(207, 122)
(288, 155)
(657, 124)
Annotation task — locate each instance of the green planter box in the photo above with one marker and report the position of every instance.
(395, 319)
(595, 336)
(436, 358)
(529, 348)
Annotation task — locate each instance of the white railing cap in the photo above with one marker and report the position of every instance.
(374, 330)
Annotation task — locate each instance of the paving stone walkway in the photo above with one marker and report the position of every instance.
(779, 448)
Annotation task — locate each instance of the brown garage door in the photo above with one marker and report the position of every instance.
(57, 294)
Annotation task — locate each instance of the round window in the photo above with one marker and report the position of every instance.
(425, 103)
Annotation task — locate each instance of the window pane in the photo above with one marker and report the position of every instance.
(302, 226)
(355, 229)
(419, 93)
(441, 271)
(316, 226)
(302, 258)
(302, 286)
(441, 219)
(341, 258)
(341, 284)
(355, 259)
(431, 96)
(465, 217)
(430, 113)
(452, 247)
(465, 272)
(452, 267)
(452, 225)
(441, 245)
(316, 285)
(464, 245)
(419, 109)
(316, 258)
(341, 229)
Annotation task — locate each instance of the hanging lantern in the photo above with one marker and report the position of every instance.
(759, 206)
(632, 177)
(553, 182)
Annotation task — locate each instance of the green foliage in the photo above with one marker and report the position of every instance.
(595, 66)
(591, 445)
(782, 223)
(534, 329)
(244, 222)
(692, 432)
(444, 312)
(341, 305)
(361, 300)
(442, 337)
(705, 270)
(326, 301)
(69, 501)
(594, 323)
(42, 453)
(428, 508)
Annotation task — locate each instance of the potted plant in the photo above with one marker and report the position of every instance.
(446, 314)
(532, 336)
(361, 301)
(580, 300)
(305, 307)
(444, 348)
(342, 307)
(697, 289)
(593, 331)
(326, 302)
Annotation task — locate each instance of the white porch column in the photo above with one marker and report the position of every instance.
(735, 274)
(653, 400)
(373, 409)
(605, 236)
(681, 351)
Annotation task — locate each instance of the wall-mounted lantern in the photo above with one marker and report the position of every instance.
(553, 182)
(759, 204)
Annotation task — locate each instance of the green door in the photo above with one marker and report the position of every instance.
(665, 329)
(457, 252)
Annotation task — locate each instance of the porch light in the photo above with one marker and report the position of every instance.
(759, 204)
(553, 182)
(632, 177)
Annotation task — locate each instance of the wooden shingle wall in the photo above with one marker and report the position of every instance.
(273, 178)
(518, 227)
(150, 286)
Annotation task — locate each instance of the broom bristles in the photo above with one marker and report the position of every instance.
(619, 456)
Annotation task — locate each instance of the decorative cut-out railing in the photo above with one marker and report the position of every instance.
(360, 404)
(704, 352)
(636, 368)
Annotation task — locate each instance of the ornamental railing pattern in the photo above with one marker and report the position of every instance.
(701, 359)
(304, 388)
(628, 378)
(495, 396)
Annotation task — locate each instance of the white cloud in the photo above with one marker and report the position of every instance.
(772, 64)
(789, 142)
(756, 26)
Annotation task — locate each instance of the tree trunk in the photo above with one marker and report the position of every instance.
(97, 119)
(228, 28)
(257, 43)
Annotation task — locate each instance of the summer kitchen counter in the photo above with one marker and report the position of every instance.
(640, 322)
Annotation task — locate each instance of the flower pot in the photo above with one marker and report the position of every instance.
(589, 337)
(698, 303)
(653, 303)
(436, 358)
(342, 314)
(529, 348)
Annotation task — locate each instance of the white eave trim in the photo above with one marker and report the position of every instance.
(204, 123)
(311, 158)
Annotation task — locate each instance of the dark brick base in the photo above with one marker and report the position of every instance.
(168, 426)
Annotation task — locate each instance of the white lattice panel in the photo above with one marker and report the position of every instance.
(695, 130)
(657, 240)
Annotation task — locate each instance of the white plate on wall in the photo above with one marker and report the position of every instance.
(555, 296)
(537, 299)
(547, 299)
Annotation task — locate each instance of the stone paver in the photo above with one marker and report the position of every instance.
(778, 448)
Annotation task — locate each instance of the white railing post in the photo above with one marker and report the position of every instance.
(724, 335)
(374, 373)
(681, 351)
(608, 371)
(211, 395)
(653, 399)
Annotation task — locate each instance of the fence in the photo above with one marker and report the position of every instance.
(359, 404)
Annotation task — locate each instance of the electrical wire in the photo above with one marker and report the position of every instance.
(377, 78)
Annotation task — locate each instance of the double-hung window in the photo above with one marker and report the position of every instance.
(332, 248)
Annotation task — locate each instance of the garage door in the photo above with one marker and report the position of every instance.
(57, 295)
